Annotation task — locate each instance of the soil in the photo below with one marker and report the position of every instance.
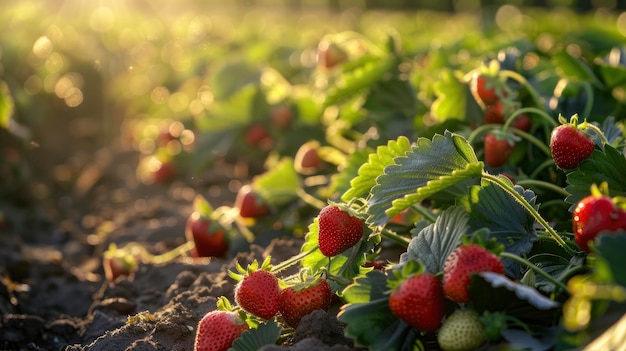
(53, 292)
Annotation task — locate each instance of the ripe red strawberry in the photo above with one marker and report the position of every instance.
(118, 262)
(298, 301)
(485, 89)
(497, 150)
(522, 122)
(257, 291)
(250, 204)
(257, 136)
(494, 113)
(461, 264)
(217, 330)
(595, 214)
(570, 146)
(163, 172)
(307, 159)
(210, 238)
(338, 230)
(419, 302)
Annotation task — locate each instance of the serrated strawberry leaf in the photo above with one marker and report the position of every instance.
(555, 265)
(429, 167)
(496, 293)
(507, 220)
(341, 182)
(367, 288)
(433, 244)
(253, 339)
(279, 185)
(372, 324)
(376, 163)
(348, 264)
(602, 166)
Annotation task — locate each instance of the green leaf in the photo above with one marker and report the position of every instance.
(253, 339)
(602, 166)
(372, 286)
(6, 105)
(496, 293)
(574, 69)
(609, 250)
(279, 185)
(341, 182)
(373, 323)
(553, 264)
(454, 100)
(429, 167)
(359, 76)
(231, 77)
(231, 112)
(433, 244)
(202, 206)
(376, 163)
(507, 220)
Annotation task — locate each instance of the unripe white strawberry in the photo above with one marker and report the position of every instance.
(461, 331)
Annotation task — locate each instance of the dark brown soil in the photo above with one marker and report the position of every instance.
(53, 293)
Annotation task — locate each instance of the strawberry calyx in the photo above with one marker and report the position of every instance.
(481, 238)
(252, 267)
(584, 126)
(409, 268)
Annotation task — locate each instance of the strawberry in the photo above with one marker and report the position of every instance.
(594, 214)
(330, 55)
(497, 150)
(494, 113)
(281, 117)
(307, 159)
(217, 330)
(461, 264)
(569, 146)
(461, 331)
(163, 172)
(257, 291)
(118, 262)
(418, 300)
(298, 301)
(338, 230)
(250, 204)
(257, 136)
(522, 122)
(209, 237)
(487, 89)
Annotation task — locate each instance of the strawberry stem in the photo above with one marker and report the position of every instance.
(506, 187)
(395, 237)
(139, 250)
(293, 260)
(544, 116)
(587, 125)
(539, 183)
(520, 79)
(535, 269)
(310, 199)
(533, 140)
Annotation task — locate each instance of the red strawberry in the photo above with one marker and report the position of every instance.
(163, 173)
(329, 54)
(250, 204)
(570, 146)
(281, 117)
(258, 136)
(338, 230)
(298, 301)
(484, 88)
(461, 264)
(209, 238)
(522, 122)
(419, 302)
(307, 159)
(494, 113)
(497, 150)
(217, 330)
(257, 291)
(595, 214)
(118, 262)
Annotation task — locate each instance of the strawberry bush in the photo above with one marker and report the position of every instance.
(448, 196)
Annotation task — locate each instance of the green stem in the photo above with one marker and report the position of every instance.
(519, 78)
(598, 131)
(506, 187)
(395, 237)
(539, 183)
(139, 250)
(478, 131)
(532, 110)
(293, 260)
(590, 99)
(547, 163)
(533, 140)
(535, 269)
(310, 199)
(424, 212)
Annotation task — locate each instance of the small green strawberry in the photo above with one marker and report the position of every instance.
(417, 298)
(461, 331)
(257, 291)
(339, 230)
(459, 266)
(298, 301)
